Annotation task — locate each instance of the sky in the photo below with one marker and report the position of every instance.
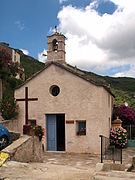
(100, 34)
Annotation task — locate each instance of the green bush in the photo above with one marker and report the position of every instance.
(8, 108)
(38, 131)
(118, 137)
(81, 132)
(14, 82)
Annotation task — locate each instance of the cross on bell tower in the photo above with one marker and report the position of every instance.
(56, 48)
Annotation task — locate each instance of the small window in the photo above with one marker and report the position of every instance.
(32, 122)
(108, 100)
(81, 128)
(109, 124)
(54, 90)
(14, 57)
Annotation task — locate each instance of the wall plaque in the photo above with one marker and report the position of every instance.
(70, 122)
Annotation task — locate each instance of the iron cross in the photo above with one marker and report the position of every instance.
(26, 99)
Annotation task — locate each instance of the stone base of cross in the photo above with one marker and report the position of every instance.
(26, 129)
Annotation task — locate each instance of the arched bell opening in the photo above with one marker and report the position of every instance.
(55, 45)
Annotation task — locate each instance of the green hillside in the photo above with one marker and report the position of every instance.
(122, 83)
(30, 65)
(122, 87)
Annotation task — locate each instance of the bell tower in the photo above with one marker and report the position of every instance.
(56, 48)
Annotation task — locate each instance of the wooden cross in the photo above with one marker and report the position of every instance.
(26, 99)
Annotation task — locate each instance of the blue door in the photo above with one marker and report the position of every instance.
(51, 133)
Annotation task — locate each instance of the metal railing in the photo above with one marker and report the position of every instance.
(109, 152)
(131, 131)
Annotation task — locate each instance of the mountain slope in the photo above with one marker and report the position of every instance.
(121, 83)
(30, 65)
(122, 87)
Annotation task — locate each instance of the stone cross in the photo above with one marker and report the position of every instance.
(26, 100)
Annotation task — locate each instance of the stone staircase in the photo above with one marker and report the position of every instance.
(133, 164)
(129, 158)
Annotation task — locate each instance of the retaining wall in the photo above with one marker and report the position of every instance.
(25, 149)
(11, 125)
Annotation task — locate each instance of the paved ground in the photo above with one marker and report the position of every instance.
(119, 175)
(80, 161)
(37, 171)
(127, 154)
(56, 166)
(62, 166)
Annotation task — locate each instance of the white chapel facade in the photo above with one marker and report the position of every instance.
(73, 106)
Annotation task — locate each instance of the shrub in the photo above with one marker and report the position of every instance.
(38, 131)
(81, 132)
(125, 113)
(14, 82)
(5, 58)
(8, 108)
(118, 137)
(7, 67)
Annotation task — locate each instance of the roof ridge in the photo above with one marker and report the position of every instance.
(74, 71)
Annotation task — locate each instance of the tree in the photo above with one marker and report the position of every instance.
(5, 62)
(8, 72)
(125, 113)
(7, 67)
(5, 58)
(14, 68)
(8, 108)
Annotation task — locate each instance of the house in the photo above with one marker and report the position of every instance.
(15, 59)
(73, 106)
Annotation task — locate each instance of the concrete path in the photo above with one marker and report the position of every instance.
(119, 175)
(80, 161)
(42, 171)
(56, 166)
(114, 175)
(63, 166)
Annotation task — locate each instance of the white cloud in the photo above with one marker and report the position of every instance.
(97, 42)
(20, 25)
(42, 56)
(25, 51)
(130, 73)
(61, 1)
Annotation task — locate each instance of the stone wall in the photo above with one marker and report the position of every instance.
(58, 55)
(14, 136)
(133, 162)
(11, 125)
(15, 56)
(25, 149)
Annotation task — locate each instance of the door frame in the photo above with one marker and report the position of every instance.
(56, 130)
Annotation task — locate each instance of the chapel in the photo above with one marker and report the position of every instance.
(73, 106)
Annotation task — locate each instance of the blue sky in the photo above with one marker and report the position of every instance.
(100, 33)
(25, 24)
